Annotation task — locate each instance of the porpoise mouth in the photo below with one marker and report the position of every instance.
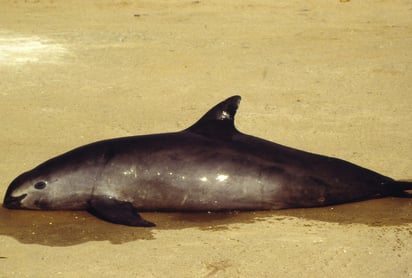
(13, 202)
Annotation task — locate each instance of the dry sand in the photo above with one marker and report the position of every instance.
(332, 77)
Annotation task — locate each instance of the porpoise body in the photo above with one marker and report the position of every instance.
(210, 166)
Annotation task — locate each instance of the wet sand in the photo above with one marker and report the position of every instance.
(330, 77)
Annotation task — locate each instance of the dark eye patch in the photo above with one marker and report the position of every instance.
(40, 185)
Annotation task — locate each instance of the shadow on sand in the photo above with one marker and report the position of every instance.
(66, 228)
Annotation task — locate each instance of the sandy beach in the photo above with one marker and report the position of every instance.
(329, 77)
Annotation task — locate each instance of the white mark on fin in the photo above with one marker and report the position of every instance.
(224, 115)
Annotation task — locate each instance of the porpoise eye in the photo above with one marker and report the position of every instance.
(40, 185)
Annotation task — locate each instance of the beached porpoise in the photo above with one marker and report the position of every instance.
(210, 166)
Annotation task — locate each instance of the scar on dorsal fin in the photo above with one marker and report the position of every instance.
(218, 121)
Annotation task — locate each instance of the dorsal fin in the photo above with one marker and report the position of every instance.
(218, 121)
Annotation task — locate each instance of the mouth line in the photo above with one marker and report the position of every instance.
(13, 202)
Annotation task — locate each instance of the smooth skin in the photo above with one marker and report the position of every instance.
(210, 166)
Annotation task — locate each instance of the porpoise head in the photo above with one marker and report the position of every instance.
(59, 183)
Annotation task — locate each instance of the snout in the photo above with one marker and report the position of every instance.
(11, 202)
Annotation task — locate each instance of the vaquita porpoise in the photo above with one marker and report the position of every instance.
(210, 166)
